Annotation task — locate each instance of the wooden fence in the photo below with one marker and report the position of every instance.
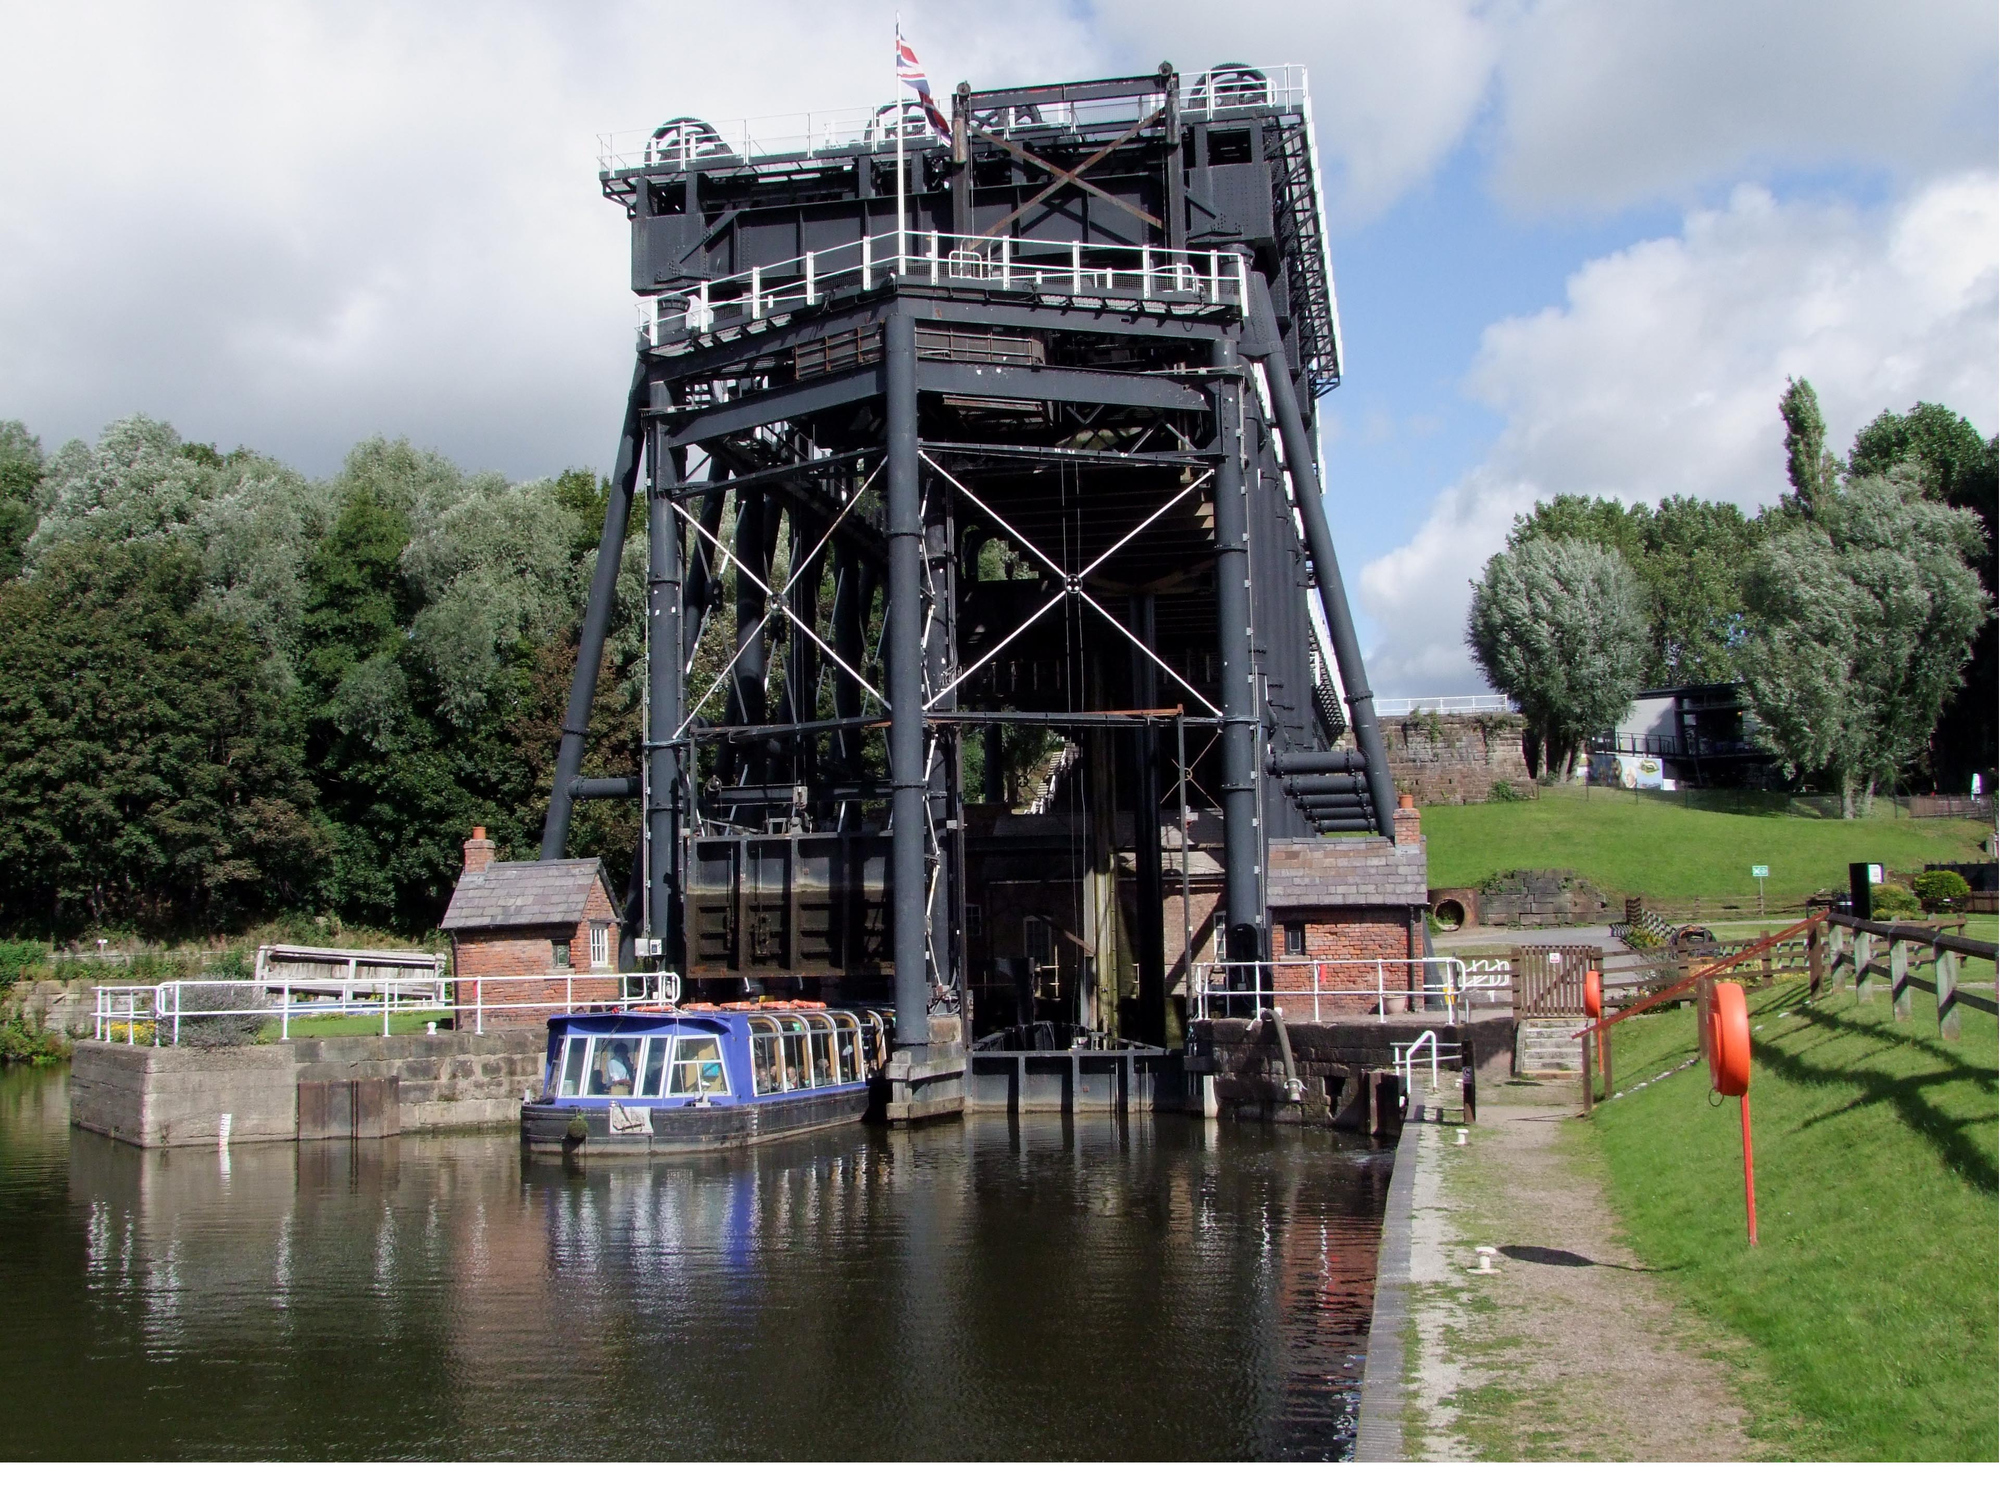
(1897, 953)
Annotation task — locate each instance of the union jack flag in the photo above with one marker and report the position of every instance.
(912, 73)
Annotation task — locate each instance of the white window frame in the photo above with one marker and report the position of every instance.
(600, 945)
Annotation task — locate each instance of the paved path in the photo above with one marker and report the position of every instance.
(1514, 937)
(1572, 1349)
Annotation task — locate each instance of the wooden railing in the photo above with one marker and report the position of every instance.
(1897, 952)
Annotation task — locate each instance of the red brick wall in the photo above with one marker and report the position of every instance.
(531, 950)
(1343, 946)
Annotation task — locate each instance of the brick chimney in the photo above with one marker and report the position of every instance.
(1409, 826)
(479, 850)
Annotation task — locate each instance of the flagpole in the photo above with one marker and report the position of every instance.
(896, 116)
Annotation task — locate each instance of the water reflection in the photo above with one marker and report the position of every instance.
(1158, 1288)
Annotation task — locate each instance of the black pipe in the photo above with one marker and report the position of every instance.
(1313, 786)
(1242, 839)
(585, 788)
(666, 687)
(904, 627)
(1326, 565)
(1343, 825)
(596, 618)
(1315, 762)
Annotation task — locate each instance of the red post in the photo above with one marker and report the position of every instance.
(1749, 1169)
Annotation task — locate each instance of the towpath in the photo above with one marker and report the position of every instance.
(1571, 1349)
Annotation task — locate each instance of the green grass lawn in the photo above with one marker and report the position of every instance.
(401, 1023)
(1871, 1299)
(1639, 845)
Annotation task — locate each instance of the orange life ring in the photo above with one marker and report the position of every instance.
(1729, 1040)
(1593, 994)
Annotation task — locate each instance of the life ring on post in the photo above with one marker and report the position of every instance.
(1729, 1041)
(1593, 994)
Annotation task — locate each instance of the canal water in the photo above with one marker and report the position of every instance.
(1158, 1288)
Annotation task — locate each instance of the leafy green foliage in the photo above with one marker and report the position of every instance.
(1560, 627)
(1941, 890)
(20, 473)
(1814, 473)
(21, 1041)
(1687, 555)
(1889, 901)
(147, 771)
(1862, 622)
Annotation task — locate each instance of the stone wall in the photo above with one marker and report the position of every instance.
(1541, 898)
(1455, 758)
(176, 1096)
(66, 1007)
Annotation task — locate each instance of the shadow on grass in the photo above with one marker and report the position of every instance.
(1904, 1093)
(1885, 1032)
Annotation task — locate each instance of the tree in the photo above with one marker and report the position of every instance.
(20, 473)
(1944, 454)
(1687, 555)
(1861, 623)
(148, 772)
(1814, 471)
(1560, 627)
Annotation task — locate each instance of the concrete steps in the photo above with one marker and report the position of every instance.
(1547, 1046)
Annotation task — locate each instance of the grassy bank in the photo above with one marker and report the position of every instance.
(1655, 847)
(1871, 1299)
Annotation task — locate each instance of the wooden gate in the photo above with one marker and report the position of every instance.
(1549, 981)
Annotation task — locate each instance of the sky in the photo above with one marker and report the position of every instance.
(1579, 245)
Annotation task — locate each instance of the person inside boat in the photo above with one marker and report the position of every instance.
(618, 1069)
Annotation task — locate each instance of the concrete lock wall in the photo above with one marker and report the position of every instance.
(177, 1096)
(1329, 1058)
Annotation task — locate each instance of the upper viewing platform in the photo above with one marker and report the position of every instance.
(1147, 188)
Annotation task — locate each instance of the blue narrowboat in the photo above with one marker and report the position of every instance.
(701, 1077)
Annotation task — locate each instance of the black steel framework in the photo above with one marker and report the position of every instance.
(1024, 447)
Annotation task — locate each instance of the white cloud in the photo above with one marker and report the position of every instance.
(290, 226)
(1608, 104)
(1394, 86)
(1661, 374)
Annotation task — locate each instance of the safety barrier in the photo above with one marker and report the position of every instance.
(1327, 988)
(156, 1014)
(1063, 268)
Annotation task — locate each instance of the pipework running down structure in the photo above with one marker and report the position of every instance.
(987, 565)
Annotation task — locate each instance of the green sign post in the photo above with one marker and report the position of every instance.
(1761, 873)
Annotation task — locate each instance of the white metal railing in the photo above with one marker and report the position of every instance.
(1405, 1056)
(786, 137)
(1330, 989)
(1464, 703)
(154, 1013)
(1047, 267)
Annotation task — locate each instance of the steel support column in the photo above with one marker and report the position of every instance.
(665, 692)
(904, 626)
(596, 617)
(1242, 839)
(1300, 461)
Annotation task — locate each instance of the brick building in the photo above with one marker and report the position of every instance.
(553, 918)
(1347, 918)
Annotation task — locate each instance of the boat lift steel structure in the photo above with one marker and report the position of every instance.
(1091, 328)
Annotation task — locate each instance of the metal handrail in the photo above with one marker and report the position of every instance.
(1405, 1054)
(162, 1008)
(1054, 267)
(1454, 987)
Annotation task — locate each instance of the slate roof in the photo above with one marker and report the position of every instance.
(1345, 872)
(524, 893)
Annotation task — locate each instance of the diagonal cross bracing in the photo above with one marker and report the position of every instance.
(1072, 584)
